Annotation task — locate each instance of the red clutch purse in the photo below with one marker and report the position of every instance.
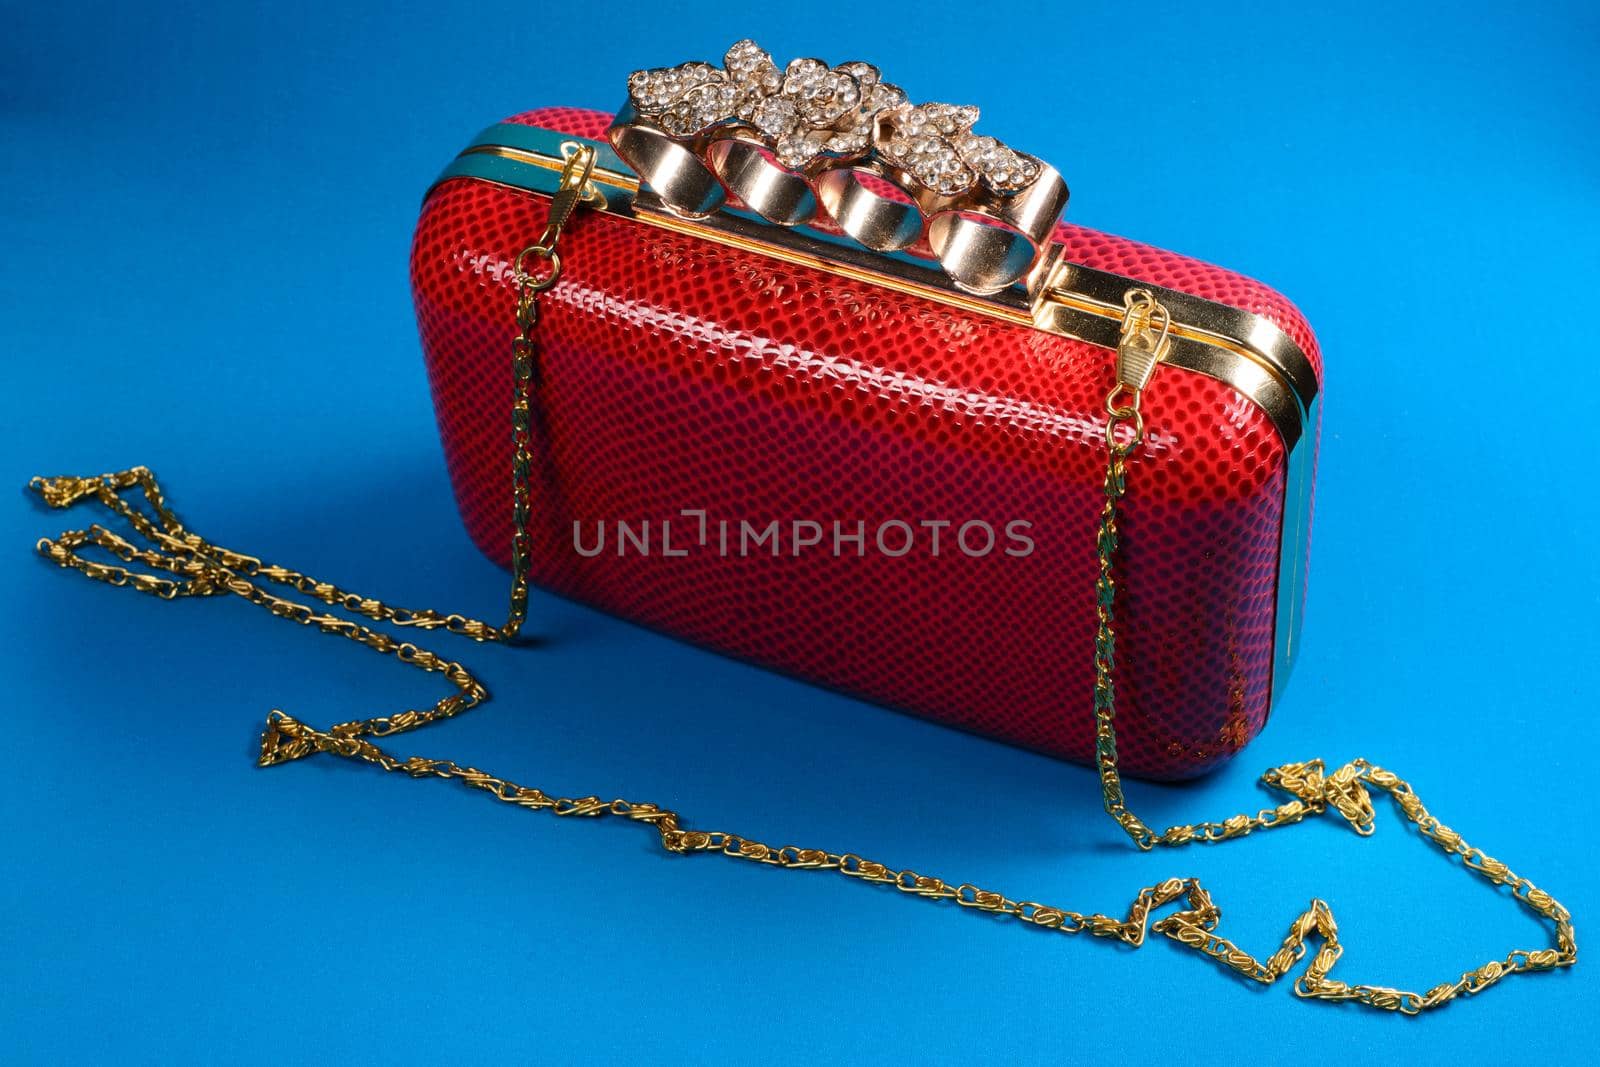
(925, 461)
(781, 363)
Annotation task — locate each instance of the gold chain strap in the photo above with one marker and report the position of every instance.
(198, 567)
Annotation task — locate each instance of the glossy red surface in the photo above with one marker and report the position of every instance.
(680, 375)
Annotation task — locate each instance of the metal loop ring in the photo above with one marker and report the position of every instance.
(867, 204)
(537, 283)
(982, 256)
(987, 243)
(1124, 416)
(749, 170)
(674, 170)
(591, 189)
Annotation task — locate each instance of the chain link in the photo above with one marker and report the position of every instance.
(183, 564)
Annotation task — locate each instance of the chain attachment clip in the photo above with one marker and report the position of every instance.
(574, 188)
(1142, 346)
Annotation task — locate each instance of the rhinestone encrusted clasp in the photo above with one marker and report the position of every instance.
(791, 144)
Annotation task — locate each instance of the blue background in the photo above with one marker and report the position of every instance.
(204, 229)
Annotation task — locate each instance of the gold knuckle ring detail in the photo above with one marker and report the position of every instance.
(840, 148)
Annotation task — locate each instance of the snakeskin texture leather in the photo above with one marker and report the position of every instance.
(678, 376)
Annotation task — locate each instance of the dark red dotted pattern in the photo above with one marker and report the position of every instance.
(680, 375)
(573, 121)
